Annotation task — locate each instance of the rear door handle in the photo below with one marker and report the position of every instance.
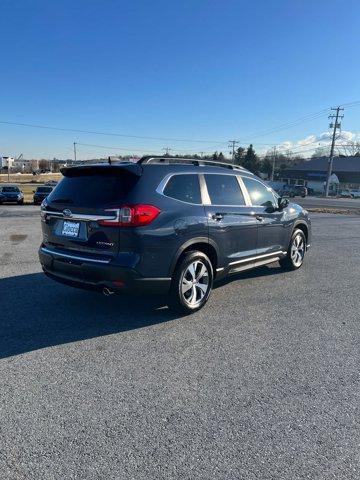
(259, 217)
(217, 216)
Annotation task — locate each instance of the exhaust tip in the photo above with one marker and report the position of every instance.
(107, 292)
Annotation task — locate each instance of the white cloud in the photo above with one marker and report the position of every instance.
(309, 144)
(307, 141)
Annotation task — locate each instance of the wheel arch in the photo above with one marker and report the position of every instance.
(203, 244)
(302, 226)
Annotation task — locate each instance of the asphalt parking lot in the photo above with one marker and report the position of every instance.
(263, 383)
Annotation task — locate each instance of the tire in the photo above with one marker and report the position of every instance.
(186, 294)
(296, 251)
(21, 202)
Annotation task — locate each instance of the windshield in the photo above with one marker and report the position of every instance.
(43, 190)
(10, 189)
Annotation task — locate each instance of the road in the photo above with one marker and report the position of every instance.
(263, 383)
(319, 202)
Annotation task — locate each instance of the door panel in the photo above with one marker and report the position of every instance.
(271, 222)
(231, 223)
(234, 229)
(271, 230)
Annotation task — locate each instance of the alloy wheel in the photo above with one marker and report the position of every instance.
(195, 283)
(298, 250)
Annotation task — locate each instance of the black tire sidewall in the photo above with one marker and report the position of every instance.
(176, 298)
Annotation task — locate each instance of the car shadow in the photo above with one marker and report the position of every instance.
(36, 312)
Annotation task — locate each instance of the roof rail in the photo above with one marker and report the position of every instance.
(198, 162)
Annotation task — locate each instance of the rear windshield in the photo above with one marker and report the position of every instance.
(93, 190)
(43, 189)
(10, 189)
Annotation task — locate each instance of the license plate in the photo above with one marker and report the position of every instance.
(70, 229)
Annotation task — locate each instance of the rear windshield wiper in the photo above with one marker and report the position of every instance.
(62, 200)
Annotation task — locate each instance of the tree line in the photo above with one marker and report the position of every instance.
(249, 159)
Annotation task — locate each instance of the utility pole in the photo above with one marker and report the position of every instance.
(75, 152)
(335, 126)
(167, 150)
(273, 164)
(202, 154)
(232, 144)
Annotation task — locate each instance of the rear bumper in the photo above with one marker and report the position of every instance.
(90, 274)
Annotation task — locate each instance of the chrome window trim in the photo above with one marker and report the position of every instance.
(204, 190)
(74, 257)
(162, 185)
(244, 191)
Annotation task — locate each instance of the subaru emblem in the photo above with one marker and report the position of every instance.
(67, 213)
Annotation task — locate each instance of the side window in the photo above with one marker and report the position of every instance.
(224, 190)
(184, 187)
(259, 194)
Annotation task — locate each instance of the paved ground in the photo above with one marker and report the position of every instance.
(261, 384)
(319, 202)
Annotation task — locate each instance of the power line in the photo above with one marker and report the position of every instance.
(288, 125)
(110, 134)
(112, 147)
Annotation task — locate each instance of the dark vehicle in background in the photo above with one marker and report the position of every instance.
(40, 193)
(348, 193)
(11, 194)
(166, 225)
(293, 191)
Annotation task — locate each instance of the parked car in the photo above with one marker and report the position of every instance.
(11, 194)
(293, 191)
(40, 193)
(347, 193)
(167, 226)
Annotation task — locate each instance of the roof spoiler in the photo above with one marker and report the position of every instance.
(101, 168)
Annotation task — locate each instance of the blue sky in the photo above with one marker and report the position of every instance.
(194, 70)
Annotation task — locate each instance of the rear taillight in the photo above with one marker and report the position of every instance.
(131, 216)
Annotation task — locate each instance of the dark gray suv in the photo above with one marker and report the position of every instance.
(166, 225)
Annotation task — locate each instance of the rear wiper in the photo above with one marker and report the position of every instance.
(62, 200)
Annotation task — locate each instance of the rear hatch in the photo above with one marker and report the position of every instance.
(73, 214)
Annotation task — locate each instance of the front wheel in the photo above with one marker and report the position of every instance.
(192, 282)
(296, 251)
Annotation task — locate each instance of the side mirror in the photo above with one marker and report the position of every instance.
(283, 203)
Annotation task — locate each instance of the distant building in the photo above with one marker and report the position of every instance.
(6, 162)
(312, 173)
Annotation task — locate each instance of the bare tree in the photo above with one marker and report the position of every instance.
(349, 149)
